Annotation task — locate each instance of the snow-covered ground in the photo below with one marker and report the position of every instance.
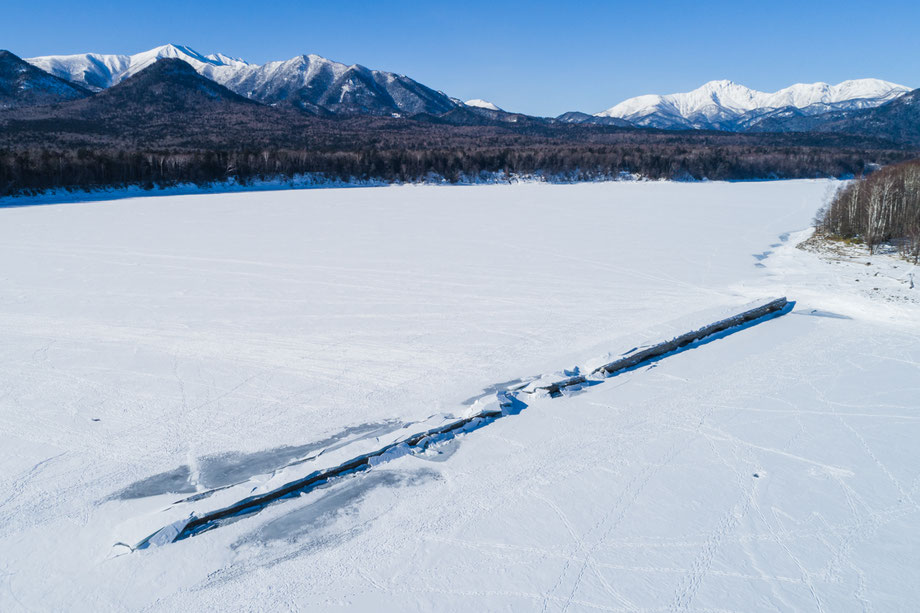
(158, 348)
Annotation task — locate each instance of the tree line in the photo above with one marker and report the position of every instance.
(34, 169)
(883, 207)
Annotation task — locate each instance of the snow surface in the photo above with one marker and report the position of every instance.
(218, 338)
(725, 100)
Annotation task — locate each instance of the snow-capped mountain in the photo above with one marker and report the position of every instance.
(309, 82)
(22, 84)
(483, 104)
(725, 105)
(96, 71)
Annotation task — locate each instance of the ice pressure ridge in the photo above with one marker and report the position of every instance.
(505, 402)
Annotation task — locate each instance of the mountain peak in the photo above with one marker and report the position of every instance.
(173, 51)
(482, 104)
(170, 48)
(718, 84)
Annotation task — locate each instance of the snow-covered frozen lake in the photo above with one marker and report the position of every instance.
(158, 348)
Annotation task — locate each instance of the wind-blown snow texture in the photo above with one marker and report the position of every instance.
(725, 105)
(225, 342)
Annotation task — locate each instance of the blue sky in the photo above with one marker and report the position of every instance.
(536, 57)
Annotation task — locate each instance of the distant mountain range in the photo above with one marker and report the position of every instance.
(726, 105)
(320, 87)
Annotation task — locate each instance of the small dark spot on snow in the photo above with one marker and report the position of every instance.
(868, 263)
(756, 475)
(96, 419)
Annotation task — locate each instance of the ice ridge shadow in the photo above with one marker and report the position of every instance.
(309, 524)
(221, 470)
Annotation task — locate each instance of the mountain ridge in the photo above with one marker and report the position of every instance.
(726, 105)
(309, 82)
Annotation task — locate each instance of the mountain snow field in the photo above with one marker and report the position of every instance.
(171, 355)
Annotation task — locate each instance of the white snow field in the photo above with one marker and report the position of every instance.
(164, 356)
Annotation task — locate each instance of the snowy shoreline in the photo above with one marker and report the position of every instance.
(310, 182)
